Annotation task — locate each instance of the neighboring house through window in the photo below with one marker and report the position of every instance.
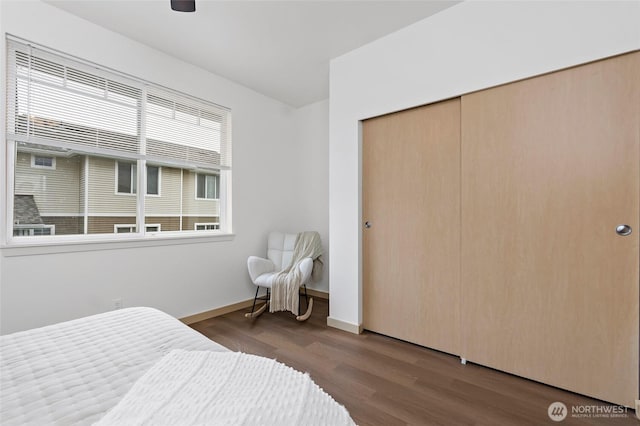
(26, 218)
(77, 134)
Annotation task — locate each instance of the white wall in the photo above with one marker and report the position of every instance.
(268, 140)
(312, 140)
(471, 46)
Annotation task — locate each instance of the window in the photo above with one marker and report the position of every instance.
(33, 230)
(126, 178)
(207, 226)
(43, 161)
(153, 180)
(75, 127)
(153, 228)
(128, 229)
(124, 229)
(207, 187)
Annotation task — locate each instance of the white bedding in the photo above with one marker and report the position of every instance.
(225, 388)
(74, 372)
(142, 366)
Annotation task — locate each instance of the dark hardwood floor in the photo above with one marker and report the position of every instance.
(384, 381)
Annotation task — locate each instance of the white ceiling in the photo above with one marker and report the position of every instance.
(279, 48)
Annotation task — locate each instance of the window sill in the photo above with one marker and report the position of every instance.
(53, 247)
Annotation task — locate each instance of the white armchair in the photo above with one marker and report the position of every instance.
(280, 248)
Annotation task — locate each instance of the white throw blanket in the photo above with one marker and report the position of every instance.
(224, 388)
(284, 290)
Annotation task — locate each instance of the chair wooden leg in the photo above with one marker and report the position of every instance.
(308, 313)
(257, 313)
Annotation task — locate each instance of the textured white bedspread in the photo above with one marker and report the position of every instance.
(75, 371)
(232, 388)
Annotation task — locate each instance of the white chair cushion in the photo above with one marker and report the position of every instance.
(305, 266)
(280, 249)
(265, 280)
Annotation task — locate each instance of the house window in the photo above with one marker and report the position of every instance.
(43, 161)
(126, 178)
(68, 122)
(129, 229)
(207, 187)
(124, 229)
(33, 230)
(153, 180)
(206, 226)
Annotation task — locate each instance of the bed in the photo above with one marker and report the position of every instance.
(142, 366)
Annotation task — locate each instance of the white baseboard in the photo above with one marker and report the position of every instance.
(217, 312)
(345, 326)
(318, 293)
(240, 305)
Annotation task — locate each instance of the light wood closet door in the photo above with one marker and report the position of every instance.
(550, 167)
(411, 198)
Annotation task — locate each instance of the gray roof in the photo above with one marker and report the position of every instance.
(25, 210)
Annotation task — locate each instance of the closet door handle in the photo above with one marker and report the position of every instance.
(367, 224)
(623, 230)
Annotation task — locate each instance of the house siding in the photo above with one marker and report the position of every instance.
(166, 223)
(168, 203)
(82, 188)
(60, 196)
(55, 191)
(66, 225)
(192, 206)
(189, 222)
(104, 224)
(102, 190)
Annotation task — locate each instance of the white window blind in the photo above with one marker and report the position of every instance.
(186, 132)
(65, 106)
(88, 119)
(70, 105)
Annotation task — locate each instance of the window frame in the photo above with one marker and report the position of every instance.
(13, 142)
(152, 225)
(133, 184)
(206, 224)
(32, 227)
(34, 156)
(133, 178)
(159, 194)
(217, 186)
(133, 228)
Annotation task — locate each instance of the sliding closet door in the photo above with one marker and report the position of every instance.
(550, 168)
(411, 202)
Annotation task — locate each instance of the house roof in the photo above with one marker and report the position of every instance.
(25, 210)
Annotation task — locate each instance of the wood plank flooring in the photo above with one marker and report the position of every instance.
(384, 381)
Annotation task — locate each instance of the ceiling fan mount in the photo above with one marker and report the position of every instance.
(183, 5)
